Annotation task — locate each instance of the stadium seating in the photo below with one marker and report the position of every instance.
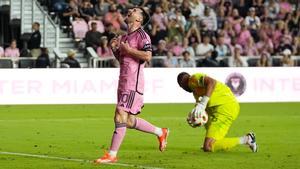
(6, 63)
(252, 62)
(26, 63)
(276, 62)
(53, 35)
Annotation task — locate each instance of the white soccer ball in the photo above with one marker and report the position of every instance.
(197, 121)
(201, 120)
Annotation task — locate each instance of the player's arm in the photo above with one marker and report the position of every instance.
(209, 84)
(196, 98)
(116, 53)
(144, 55)
(114, 45)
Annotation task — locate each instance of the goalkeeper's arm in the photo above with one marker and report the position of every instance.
(209, 84)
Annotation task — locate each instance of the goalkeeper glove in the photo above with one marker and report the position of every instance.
(190, 120)
(200, 107)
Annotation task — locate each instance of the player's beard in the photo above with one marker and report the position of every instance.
(126, 19)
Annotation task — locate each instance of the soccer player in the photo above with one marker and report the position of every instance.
(222, 108)
(132, 50)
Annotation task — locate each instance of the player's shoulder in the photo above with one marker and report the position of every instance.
(142, 33)
(197, 75)
(197, 78)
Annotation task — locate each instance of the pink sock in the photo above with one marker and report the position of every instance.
(118, 136)
(143, 125)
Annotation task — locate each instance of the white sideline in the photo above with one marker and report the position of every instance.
(73, 159)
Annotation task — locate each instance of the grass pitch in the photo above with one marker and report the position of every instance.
(82, 131)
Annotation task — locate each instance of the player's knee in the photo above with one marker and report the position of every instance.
(121, 117)
(131, 122)
(207, 148)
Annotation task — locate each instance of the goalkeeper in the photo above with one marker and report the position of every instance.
(222, 108)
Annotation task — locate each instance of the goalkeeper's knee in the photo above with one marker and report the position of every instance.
(208, 144)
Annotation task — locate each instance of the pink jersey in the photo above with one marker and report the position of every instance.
(243, 37)
(9, 52)
(132, 69)
(80, 28)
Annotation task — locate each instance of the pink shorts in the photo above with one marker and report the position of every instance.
(130, 101)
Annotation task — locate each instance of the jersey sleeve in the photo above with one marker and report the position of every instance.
(145, 42)
(197, 80)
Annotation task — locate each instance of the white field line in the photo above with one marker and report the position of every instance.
(73, 159)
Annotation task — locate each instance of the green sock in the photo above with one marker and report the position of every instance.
(225, 144)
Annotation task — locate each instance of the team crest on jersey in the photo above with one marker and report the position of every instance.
(237, 83)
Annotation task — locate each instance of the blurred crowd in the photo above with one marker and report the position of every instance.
(213, 30)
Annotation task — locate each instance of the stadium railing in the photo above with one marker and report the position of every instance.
(6, 63)
(25, 62)
(98, 62)
(30, 11)
(58, 57)
(4, 2)
(47, 21)
(251, 60)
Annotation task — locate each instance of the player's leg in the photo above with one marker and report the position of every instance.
(215, 142)
(118, 135)
(215, 136)
(140, 124)
(218, 126)
(143, 125)
(135, 106)
(227, 143)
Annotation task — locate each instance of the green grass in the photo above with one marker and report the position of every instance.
(81, 131)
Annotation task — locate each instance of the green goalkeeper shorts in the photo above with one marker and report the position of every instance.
(220, 119)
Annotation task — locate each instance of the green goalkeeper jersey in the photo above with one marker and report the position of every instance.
(220, 95)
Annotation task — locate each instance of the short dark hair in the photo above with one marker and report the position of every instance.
(36, 23)
(146, 16)
(185, 52)
(44, 50)
(214, 54)
(180, 76)
(94, 23)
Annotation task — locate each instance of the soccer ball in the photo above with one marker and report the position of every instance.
(198, 121)
(202, 120)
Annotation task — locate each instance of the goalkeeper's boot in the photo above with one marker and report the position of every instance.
(163, 139)
(106, 158)
(252, 142)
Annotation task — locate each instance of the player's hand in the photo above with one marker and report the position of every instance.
(114, 43)
(125, 46)
(200, 108)
(190, 120)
